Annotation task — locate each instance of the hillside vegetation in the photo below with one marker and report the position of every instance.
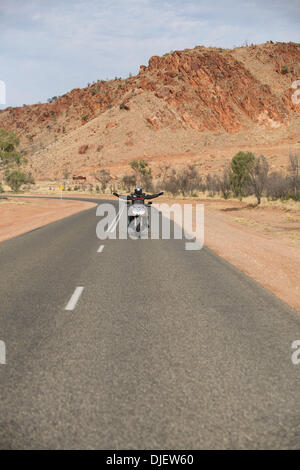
(199, 105)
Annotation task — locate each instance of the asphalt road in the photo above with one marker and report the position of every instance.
(165, 348)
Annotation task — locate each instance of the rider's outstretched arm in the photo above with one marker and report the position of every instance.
(122, 197)
(152, 196)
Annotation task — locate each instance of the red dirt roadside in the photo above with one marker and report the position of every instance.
(263, 242)
(22, 215)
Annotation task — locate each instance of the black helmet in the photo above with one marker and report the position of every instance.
(138, 190)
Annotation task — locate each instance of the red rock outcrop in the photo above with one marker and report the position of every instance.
(207, 88)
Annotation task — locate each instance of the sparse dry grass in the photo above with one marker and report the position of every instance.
(295, 236)
(246, 222)
(14, 201)
(290, 218)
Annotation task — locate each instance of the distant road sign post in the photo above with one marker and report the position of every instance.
(61, 191)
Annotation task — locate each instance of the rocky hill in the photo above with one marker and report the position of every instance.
(198, 105)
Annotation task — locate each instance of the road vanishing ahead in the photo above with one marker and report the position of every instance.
(163, 349)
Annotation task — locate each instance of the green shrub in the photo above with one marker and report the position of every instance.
(9, 156)
(295, 197)
(16, 178)
(241, 165)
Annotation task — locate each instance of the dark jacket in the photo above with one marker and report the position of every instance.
(138, 199)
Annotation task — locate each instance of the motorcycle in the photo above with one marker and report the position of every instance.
(138, 213)
(138, 217)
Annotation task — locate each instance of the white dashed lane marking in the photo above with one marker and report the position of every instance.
(74, 299)
(100, 249)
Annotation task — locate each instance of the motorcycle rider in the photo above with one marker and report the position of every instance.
(137, 197)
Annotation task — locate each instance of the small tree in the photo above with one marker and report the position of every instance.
(170, 183)
(241, 164)
(66, 173)
(224, 182)
(147, 182)
(16, 178)
(188, 179)
(277, 186)
(9, 156)
(293, 175)
(167, 178)
(212, 184)
(164, 172)
(103, 176)
(143, 172)
(258, 174)
(140, 167)
(128, 181)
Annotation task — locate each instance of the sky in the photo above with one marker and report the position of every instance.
(48, 47)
